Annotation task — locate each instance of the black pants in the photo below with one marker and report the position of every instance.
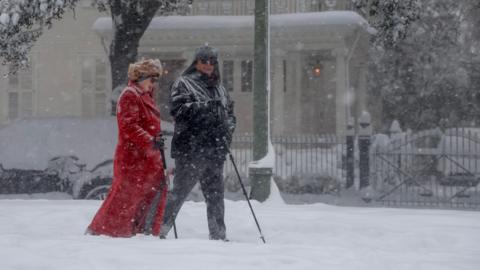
(209, 171)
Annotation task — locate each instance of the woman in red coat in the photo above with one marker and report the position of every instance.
(138, 167)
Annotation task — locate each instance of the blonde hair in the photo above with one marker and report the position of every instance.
(144, 68)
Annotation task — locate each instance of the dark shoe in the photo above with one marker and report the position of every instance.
(162, 236)
(224, 239)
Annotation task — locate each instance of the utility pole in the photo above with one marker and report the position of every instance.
(260, 175)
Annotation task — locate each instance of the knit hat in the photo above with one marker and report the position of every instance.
(144, 69)
(206, 53)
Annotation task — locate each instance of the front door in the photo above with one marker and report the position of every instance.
(318, 96)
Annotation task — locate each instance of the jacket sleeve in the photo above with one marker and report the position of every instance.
(128, 114)
(183, 105)
(231, 121)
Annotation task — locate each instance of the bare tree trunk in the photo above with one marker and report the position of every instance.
(122, 53)
(130, 19)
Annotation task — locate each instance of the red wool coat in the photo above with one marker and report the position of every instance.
(138, 169)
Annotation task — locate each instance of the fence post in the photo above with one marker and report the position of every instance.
(364, 137)
(350, 159)
(395, 132)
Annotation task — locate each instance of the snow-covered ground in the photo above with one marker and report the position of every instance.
(48, 234)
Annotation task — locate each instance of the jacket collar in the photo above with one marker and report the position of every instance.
(207, 81)
(139, 89)
(145, 96)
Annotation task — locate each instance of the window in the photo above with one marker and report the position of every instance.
(21, 80)
(20, 94)
(12, 106)
(247, 76)
(281, 6)
(13, 80)
(87, 106)
(227, 8)
(202, 8)
(100, 105)
(26, 80)
(87, 75)
(26, 102)
(316, 5)
(301, 6)
(250, 7)
(94, 86)
(100, 75)
(228, 75)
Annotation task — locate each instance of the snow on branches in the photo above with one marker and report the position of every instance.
(22, 22)
(166, 7)
(391, 18)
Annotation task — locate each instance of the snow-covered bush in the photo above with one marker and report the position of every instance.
(309, 183)
(231, 181)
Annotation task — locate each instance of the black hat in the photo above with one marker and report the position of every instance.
(206, 53)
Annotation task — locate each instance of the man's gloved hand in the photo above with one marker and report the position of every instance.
(209, 106)
(215, 107)
(230, 125)
(214, 103)
(228, 139)
(158, 142)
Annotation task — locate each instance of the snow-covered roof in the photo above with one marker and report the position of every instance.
(326, 18)
(31, 143)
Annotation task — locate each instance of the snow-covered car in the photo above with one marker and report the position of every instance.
(72, 155)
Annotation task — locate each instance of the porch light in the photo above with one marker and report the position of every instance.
(317, 70)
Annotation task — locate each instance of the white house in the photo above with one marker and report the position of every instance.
(318, 59)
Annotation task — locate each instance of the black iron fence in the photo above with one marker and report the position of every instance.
(430, 168)
(303, 163)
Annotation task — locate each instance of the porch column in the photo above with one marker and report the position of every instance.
(296, 101)
(361, 91)
(291, 99)
(277, 95)
(4, 98)
(341, 91)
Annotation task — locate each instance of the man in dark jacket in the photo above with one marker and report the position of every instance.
(204, 123)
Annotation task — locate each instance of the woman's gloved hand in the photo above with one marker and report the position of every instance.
(159, 142)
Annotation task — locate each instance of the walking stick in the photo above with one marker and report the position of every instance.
(156, 200)
(245, 192)
(162, 152)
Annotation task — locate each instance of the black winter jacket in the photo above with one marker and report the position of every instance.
(204, 118)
